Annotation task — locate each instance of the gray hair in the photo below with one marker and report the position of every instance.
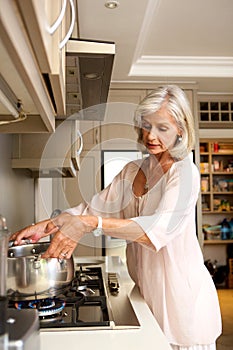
(178, 107)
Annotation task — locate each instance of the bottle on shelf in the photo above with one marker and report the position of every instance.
(225, 229)
(231, 228)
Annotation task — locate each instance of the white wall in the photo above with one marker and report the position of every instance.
(16, 190)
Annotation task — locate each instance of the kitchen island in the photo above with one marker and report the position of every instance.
(149, 331)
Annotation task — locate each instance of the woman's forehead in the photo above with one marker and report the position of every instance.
(160, 116)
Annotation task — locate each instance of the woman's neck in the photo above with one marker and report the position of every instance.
(162, 161)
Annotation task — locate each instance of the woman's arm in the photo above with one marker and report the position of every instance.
(69, 229)
(73, 227)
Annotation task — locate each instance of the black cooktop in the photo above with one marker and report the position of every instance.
(82, 304)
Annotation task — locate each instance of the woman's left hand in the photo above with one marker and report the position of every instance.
(70, 229)
(60, 247)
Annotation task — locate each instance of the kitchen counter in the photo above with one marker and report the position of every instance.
(114, 339)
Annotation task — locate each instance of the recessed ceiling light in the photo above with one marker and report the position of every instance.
(111, 4)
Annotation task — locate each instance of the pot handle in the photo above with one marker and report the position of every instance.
(36, 262)
(25, 241)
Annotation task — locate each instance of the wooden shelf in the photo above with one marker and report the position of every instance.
(222, 173)
(218, 241)
(217, 212)
(219, 192)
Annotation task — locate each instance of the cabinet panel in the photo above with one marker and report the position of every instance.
(80, 189)
(20, 70)
(39, 16)
(49, 155)
(117, 129)
(91, 134)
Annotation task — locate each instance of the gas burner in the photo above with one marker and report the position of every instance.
(85, 290)
(45, 307)
(83, 303)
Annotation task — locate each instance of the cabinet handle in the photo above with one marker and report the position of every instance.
(59, 19)
(81, 143)
(96, 136)
(66, 38)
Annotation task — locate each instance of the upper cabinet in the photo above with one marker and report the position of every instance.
(49, 155)
(32, 64)
(46, 23)
(117, 129)
(46, 73)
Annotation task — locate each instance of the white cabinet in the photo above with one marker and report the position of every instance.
(117, 129)
(91, 134)
(49, 155)
(39, 18)
(32, 63)
(70, 192)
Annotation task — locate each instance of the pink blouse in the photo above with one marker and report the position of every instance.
(173, 279)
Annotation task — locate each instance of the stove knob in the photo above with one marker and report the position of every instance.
(114, 287)
(113, 283)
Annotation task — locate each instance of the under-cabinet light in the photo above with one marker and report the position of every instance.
(7, 103)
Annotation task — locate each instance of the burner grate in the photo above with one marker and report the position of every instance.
(82, 304)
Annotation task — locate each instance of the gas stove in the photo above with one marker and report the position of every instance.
(93, 300)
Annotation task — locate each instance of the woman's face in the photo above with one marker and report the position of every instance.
(159, 131)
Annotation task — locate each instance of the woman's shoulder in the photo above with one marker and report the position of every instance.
(185, 165)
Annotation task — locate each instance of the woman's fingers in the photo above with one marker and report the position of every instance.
(34, 232)
(60, 247)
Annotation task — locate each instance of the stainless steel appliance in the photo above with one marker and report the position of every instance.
(23, 329)
(93, 300)
(18, 330)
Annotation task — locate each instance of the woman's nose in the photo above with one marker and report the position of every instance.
(152, 134)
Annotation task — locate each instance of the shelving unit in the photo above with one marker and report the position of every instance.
(216, 167)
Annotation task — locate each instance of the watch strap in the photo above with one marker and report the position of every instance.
(98, 231)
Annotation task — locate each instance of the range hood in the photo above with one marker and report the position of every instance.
(88, 74)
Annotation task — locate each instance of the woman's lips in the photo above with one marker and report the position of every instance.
(152, 146)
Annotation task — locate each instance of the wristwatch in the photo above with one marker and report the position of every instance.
(98, 231)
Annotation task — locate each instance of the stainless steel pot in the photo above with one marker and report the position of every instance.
(30, 276)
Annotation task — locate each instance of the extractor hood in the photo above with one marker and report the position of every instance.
(88, 74)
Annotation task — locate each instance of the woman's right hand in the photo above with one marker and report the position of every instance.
(34, 232)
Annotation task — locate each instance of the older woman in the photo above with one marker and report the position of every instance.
(151, 204)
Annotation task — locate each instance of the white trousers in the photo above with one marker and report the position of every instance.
(194, 347)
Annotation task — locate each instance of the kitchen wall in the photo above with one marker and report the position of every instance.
(16, 189)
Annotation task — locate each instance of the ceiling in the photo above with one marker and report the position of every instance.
(165, 40)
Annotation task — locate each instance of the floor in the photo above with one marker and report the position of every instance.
(225, 341)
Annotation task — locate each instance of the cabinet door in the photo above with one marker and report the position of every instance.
(117, 129)
(90, 131)
(20, 71)
(71, 192)
(38, 17)
(49, 155)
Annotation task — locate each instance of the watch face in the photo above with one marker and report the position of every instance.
(97, 232)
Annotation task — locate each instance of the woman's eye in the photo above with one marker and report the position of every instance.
(163, 129)
(146, 126)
